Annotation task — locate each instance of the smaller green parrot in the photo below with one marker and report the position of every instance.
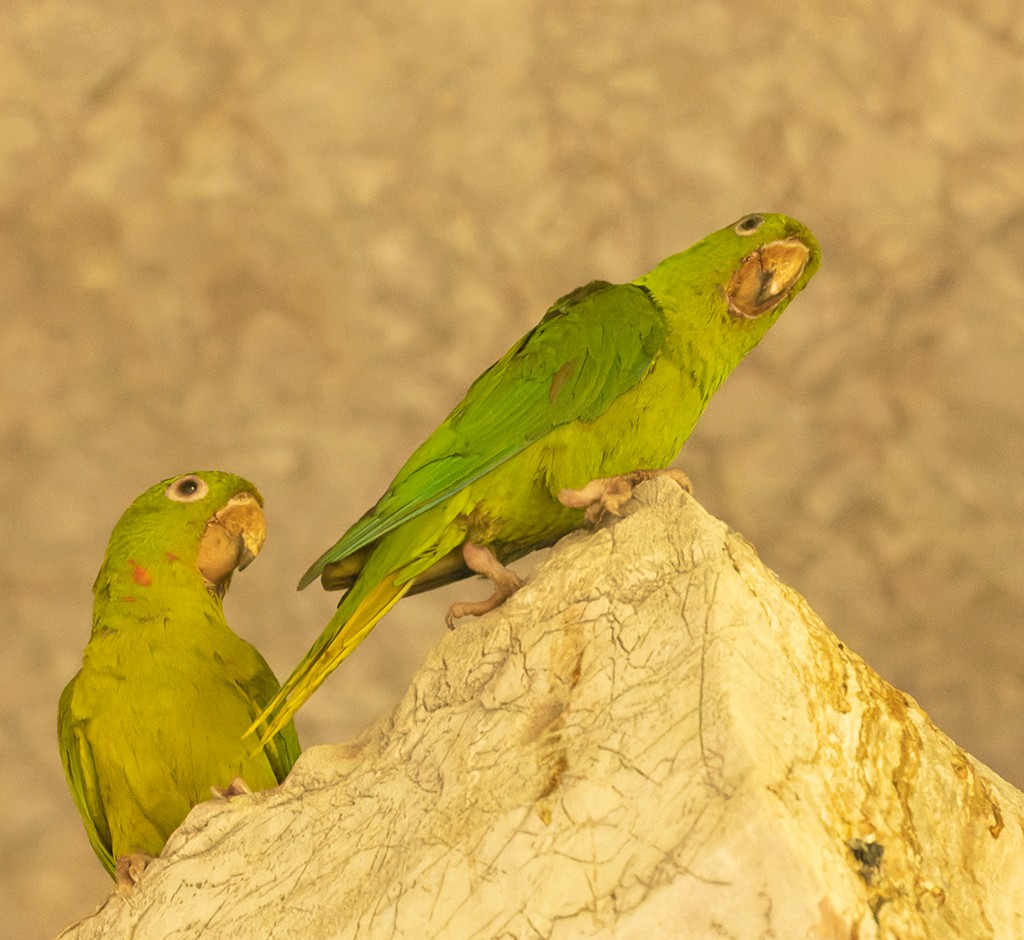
(600, 395)
(153, 721)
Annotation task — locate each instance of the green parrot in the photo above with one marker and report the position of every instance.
(154, 719)
(601, 394)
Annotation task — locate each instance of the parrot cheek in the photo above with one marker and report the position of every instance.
(218, 553)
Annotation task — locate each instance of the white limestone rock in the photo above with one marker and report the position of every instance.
(654, 738)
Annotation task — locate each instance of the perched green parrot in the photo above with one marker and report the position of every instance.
(154, 719)
(599, 395)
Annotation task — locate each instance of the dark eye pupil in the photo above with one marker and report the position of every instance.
(188, 487)
(750, 223)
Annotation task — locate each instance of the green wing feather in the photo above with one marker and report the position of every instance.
(570, 367)
(80, 771)
(259, 689)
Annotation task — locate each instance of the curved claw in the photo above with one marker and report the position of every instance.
(237, 787)
(129, 869)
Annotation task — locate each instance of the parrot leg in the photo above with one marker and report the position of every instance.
(237, 787)
(608, 495)
(482, 560)
(128, 870)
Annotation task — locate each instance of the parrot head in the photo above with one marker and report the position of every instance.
(756, 266)
(206, 521)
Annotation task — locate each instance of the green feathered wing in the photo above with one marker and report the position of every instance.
(542, 383)
(80, 772)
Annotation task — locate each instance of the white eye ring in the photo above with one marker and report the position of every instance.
(748, 224)
(187, 489)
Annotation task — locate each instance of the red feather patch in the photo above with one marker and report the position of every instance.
(139, 574)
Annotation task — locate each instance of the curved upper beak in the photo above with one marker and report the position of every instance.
(233, 538)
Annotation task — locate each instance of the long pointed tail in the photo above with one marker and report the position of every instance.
(343, 633)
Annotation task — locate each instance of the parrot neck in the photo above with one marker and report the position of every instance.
(146, 589)
(701, 338)
(697, 355)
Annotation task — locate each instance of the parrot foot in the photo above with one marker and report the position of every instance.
(237, 787)
(482, 560)
(607, 495)
(128, 870)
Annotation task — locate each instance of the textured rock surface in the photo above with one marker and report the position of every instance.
(654, 738)
(282, 238)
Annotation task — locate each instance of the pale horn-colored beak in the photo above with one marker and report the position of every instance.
(233, 538)
(766, 276)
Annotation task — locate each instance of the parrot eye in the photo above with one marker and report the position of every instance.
(748, 224)
(187, 489)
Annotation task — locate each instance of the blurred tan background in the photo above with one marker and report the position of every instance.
(283, 238)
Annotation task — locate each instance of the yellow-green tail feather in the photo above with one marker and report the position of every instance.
(319, 662)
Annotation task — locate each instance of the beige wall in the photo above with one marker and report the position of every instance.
(283, 238)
